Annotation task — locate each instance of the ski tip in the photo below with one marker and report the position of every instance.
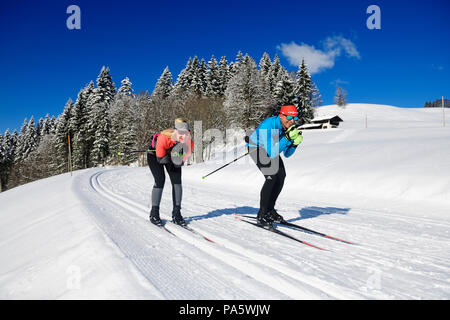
(316, 247)
(207, 239)
(337, 239)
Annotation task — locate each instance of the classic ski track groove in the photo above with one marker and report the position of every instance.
(125, 235)
(385, 257)
(232, 259)
(236, 256)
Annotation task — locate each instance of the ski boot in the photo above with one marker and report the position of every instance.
(275, 216)
(176, 216)
(264, 219)
(154, 216)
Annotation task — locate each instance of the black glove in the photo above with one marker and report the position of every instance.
(177, 154)
(164, 160)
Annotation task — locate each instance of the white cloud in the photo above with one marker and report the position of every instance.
(315, 59)
(318, 60)
(335, 45)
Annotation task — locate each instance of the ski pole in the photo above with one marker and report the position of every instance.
(134, 151)
(247, 153)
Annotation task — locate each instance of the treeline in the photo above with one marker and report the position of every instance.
(438, 104)
(104, 120)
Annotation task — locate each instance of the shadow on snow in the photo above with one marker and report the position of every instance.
(304, 213)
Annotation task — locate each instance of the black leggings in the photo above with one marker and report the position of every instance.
(274, 172)
(157, 170)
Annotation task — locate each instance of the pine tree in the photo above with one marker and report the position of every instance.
(52, 125)
(185, 77)
(46, 126)
(6, 158)
(98, 127)
(13, 144)
(21, 143)
(264, 66)
(196, 86)
(303, 93)
(30, 138)
(166, 98)
(202, 74)
(125, 88)
(274, 75)
(316, 97)
(11, 147)
(78, 125)
(239, 59)
(3, 165)
(8, 147)
(151, 116)
(128, 133)
(60, 138)
(224, 74)
(340, 97)
(247, 100)
(283, 92)
(123, 120)
(213, 79)
(232, 69)
(39, 130)
(164, 85)
(2, 152)
(106, 86)
(180, 90)
(234, 66)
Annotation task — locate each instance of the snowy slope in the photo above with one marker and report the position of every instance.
(386, 187)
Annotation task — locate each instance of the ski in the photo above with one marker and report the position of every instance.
(198, 233)
(162, 227)
(166, 230)
(194, 232)
(288, 224)
(281, 233)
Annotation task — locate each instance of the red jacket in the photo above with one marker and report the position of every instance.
(167, 140)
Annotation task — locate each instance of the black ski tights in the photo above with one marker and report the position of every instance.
(274, 172)
(157, 170)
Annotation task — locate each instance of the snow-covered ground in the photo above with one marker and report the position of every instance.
(385, 187)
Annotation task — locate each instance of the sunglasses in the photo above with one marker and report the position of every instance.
(290, 117)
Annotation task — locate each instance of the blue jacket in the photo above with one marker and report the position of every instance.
(270, 136)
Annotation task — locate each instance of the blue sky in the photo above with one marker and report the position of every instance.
(43, 63)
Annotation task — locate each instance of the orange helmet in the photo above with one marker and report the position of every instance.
(290, 110)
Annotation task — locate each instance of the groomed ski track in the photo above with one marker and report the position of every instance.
(247, 263)
(153, 251)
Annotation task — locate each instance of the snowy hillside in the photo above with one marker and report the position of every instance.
(385, 187)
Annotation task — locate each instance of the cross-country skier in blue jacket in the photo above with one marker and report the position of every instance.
(274, 136)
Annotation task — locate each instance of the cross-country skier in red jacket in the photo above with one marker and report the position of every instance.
(173, 147)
